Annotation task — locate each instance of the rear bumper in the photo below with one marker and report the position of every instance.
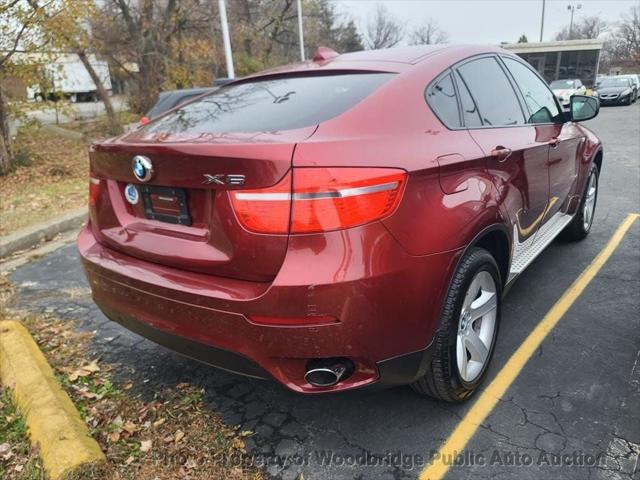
(387, 304)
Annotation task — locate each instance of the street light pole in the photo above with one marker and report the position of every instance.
(300, 32)
(572, 8)
(542, 20)
(225, 38)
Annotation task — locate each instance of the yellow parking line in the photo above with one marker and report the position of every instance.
(485, 403)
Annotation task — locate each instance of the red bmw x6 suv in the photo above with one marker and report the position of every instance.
(348, 222)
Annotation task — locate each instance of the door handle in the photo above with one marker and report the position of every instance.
(501, 153)
(554, 142)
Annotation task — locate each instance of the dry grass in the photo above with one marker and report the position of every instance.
(50, 177)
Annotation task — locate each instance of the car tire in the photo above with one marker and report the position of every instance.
(581, 224)
(445, 379)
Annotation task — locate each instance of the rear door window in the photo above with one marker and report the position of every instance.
(270, 105)
(493, 94)
(441, 96)
(470, 114)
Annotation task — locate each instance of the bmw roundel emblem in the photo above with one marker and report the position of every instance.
(131, 194)
(142, 168)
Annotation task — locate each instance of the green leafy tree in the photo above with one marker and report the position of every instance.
(63, 28)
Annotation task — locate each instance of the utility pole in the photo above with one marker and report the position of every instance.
(542, 20)
(225, 37)
(572, 8)
(300, 32)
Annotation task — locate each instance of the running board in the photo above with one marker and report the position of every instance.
(526, 252)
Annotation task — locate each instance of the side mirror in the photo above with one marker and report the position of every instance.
(583, 108)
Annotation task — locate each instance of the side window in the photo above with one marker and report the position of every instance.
(492, 92)
(470, 114)
(442, 98)
(538, 97)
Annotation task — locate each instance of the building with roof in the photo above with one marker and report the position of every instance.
(562, 59)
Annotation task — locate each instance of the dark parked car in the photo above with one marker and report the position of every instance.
(170, 99)
(348, 222)
(616, 91)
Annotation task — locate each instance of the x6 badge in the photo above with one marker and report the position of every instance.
(222, 179)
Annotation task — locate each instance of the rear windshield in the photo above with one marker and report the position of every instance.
(270, 105)
(562, 84)
(616, 82)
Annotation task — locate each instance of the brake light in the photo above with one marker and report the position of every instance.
(95, 188)
(264, 210)
(143, 121)
(321, 199)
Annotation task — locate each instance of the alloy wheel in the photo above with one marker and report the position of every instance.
(590, 201)
(476, 326)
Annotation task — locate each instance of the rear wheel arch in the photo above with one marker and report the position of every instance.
(495, 240)
(597, 159)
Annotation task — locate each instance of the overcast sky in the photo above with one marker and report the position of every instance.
(486, 21)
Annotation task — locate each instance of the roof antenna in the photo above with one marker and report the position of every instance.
(324, 54)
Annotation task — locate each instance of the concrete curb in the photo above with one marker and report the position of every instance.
(31, 236)
(53, 422)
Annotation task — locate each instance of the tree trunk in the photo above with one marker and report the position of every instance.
(114, 125)
(6, 157)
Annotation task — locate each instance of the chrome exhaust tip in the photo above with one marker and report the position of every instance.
(326, 372)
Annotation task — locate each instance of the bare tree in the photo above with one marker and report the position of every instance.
(588, 27)
(428, 34)
(623, 45)
(165, 44)
(383, 30)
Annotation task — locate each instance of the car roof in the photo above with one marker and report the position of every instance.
(409, 55)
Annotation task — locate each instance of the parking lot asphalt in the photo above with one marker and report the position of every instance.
(573, 411)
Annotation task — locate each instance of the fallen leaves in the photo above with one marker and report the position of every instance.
(173, 435)
(146, 445)
(130, 428)
(5, 451)
(84, 371)
(16, 455)
(178, 436)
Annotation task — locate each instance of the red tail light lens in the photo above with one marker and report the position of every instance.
(335, 198)
(264, 210)
(322, 199)
(95, 186)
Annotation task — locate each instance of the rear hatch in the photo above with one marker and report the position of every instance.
(178, 210)
(202, 234)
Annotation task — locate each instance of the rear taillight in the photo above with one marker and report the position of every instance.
(321, 199)
(95, 186)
